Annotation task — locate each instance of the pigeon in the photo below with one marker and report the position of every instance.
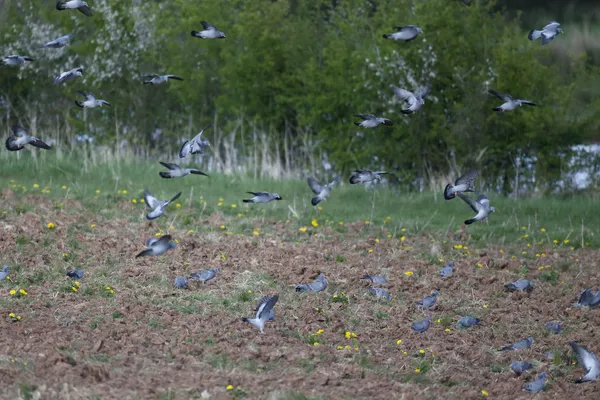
(465, 183)
(263, 312)
(467, 322)
(414, 101)
(481, 206)
(447, 271)
(520, 345)
(536, 385)
(381, 293)
(466, 2)
(317, 285)
(195, 145)
(421, 326)
(82, 6)
(204, 275)
(180, 282)
(364, 176)
(518, 367)
(90, 100)
(510, 104)
(76, 274)
(154, 79)
(175, 171)
(406, 33)
(554, 327)
(376, 279)
(522, 285)
(15, 60)
(69, 75)
(428, 301)
(371, 121)
(21, 137)
(209, 32)
(262, 197)
(59, 42)
(547, 33)
(158, 207)
(157, 246)
(588, 361)
(589, 299)
(3, 273)
(321, 191)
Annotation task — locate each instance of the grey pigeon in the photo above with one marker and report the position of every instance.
(81, 5)
(158, 207)
(553, 327)
(209, 32)
(588, 361)
(68, 75)
(364, 176)
(518, 367)
(15, 60)
(520, 345)
(428, 301)
(547, 33)
(90, 101)
(180, 282)
(317, 285)
(376, 279)
(536, 385)
(157, 246)
(76, 274)
(58, 42)
(421, 326)
(465, 183)
(20, 138)
(195, 145)
(406, 33)
(3, 273)
(264, 312)
(481, 206)
(509, 104)
(447, 271)
(321, 191)
(262, 197)
(413, 101)
(589, 299)
(467, 322)
(204, 275)
(371, 121)
(522, 285)
(381, 293)
(155, 79)
(175, 171)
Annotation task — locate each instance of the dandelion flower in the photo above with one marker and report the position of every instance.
(458, 246)
(314, 223)
(389, 236)
(35, 185)
(74, 288)
(398, 341)
(315, 344)
(377, 240)
(63, 187)
(13, 292)
(178, 205)
(543, 230)
(23, 292)
(408, 273)
(320, 331)
(447, 330)
(340, 347)
(418, 370)
(347, 347)
(229, 387)
(566, 241)
(484, 392)
(240, 215)
(402, 238)
(479, 265)
(234, 206)
(222, 227)
(341, 223)
(219, 204)
(403, 229)
(348, 335)
(93, 226)
(12, 315)
(142, 201)
(50, 225)
(370, 250)
(303, 229)
(256, 233)
(97, 191)
(501, 251)
(555, 241)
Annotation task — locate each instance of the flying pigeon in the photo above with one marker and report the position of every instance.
(509, 103)
(90, 100)
(264, 312)
(175, 171)
(76, 274)
(371, 121)
(59, 42)
(376, 279)
(158, 207)
(522, 285)
(69, 75)
(481, 206)
(321, 191)
(553, 327)
(381, 293)
(465, 183)
(406, 33)
(421, 326)
(180, 282)
(536, 385)
(154, 79)
(157, 246)
(467, 322)
(21, 137)
(262, 197)
(209, 32)
(518, 367)
(447, 271)
(589, 299)
(195, 145)
(204, 275)
(520, 345)
(547, 33)
(588, 361)
(413, 101)
(82, 6)
(364, 176)
(428, 301)
(317, 285)
(15, 60)
(3, 273)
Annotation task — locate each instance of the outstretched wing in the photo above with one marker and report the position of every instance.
(207, 26)
(423, 92)
(85, 10)
(366, 116)
(467, 179)
(19, 131)
(38, 143)
(314, 185)
(265, 305)
(552, 26)
(174, 77)
(259, 193)
(528, 103)
(150, 200)
(185, 149)
(198, 137)
(150, 76)
(472, 203)
(502, 96)
(87, 95)
(175, 197)
(169, 165)
(404, 94)
(585, 359)
(335, 180)
(484, 201)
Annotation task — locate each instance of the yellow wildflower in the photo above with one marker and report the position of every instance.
(18, 317)
(74, 288)
(341, 223)
(543, 230)
(485, 393)
(35, 185)
(347, 347)
(403, 229)
(63, 187)
(50, 225)
(229, 387)
(303, 229)
(23, 292)
(178, 205)
(256, 233)
(93, 226)
(377, 240)
(479, 265)
(555, 241)
(315, 344)
(389, 236)
(402, 238)
(97, 191)
(13, 292)
(566, 241)
(408, 273)
(458, 246)
(234, 206)
(418, 370)
(398, 341)
(370, 250)
(240, 215)
(142, 201)
(348, 335)
(219, 204)
(340, 347)
(12, 315)
(422, 351)
(501, 251)
(222, 227)
(314, 223)
(447, 330)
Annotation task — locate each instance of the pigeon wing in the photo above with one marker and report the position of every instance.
(501, 96)
(207, 26)
(169, 165)
(85, 10)
(19, 131)
(87, 95)
(484, 201)
(475, 206)
(552, 26)
(38, 143)
(185, 149)
(366, 116)
(528, 103)
(259, 193)
(585, 359)
(175, 197)
(423, 92)
(198, 137)
(265, 305)
(404, 94)
(150, 200)
(467, 179)
(314, 185)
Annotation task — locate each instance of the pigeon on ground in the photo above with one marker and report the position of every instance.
(3, 273)
(264, 312)
(467, 322)
(536, 385)
(428, 301)
(155, 79)
(413, 101)
(588, 361)
(406, 33)
(481, 206)
(81, 5)
(376, 279)
(90, 101)
(262, 197)
(364, 176)
(59, 42)
(20, 138)
(554, 327)
(522, 285)
(209, 32)
(69, 75)
(15, 60)
(204, 275)
(447, 271)
(371, 121)
(465, 183)
(518, 367)
(547, 33)
(195, 145)
(157, 246)
(175, 171)
(317, 285)
(180, 282)
(520, 345)
(76, 274)
(509, 104)
(381, 293)
(589, 299)
(158, 207)
(321, 191)
(421, 326)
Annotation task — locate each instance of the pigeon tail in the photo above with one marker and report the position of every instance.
(79, 104)
(165, 175)
(245, 320)
(10, 146)
(470, 221)
(497, 109)
(197, 172)
(147, 83)
(354, 179)
(248, 201)
(357, 123)
(385, 36)
(303, 288)
(61, 5)
(534, 34)
(448, 194)
(143, 253)
(315, 201)
(406, 112)
(196, 34)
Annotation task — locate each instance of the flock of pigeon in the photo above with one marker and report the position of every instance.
(265, 309)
